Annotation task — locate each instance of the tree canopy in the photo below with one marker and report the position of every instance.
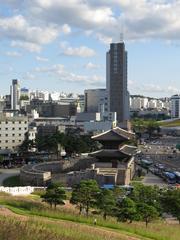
(84, 195)
(54, 195)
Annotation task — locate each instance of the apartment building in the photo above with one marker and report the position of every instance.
(12, 132)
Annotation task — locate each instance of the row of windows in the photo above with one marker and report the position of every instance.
(13, 122)
(7, 147)
(14, 128)
(13, 141)
(6, 135)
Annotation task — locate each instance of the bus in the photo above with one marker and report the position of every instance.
(177, 174)
(169, 177)
(146, 163)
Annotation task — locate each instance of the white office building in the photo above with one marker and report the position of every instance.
(12, 132)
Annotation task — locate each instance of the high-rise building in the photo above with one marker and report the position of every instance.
(15, 95)
(175, 106)
(95, 100)
(116, 81)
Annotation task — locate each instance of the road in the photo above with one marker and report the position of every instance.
(151, 179)
(163, 152)
(5, 173)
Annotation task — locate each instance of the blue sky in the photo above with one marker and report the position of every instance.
(61, 45)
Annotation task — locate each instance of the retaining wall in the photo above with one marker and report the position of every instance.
(40, 174)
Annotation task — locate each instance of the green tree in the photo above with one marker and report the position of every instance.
(106, 202)
(24, 97)
(141, 126)
(77, 197)
(149, 195)
(147, 213)
(1, 159)
(170, 200)
(26, 145)
(85, 194)
(151, 127)
(54, 195)
(126, 210)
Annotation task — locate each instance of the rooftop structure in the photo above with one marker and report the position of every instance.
(114, 162)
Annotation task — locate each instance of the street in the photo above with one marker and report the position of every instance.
(151, 179)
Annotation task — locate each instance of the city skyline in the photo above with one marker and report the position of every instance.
(48, 50)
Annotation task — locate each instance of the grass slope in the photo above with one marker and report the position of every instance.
(67, 224)
(173, 123)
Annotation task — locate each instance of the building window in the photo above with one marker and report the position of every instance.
(19, 122)
(13, 141)
(19, 128)
(6, 128)
(25, 128)
(6, 141)
(19, 140)
(6, 135)
(19, 134)
(13, 128)
(13, 134)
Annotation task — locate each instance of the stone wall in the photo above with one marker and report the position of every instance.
(40, 174)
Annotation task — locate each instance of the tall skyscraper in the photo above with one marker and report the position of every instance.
(175, 106)
(116, 81)
(15, 95)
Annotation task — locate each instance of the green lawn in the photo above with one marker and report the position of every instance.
(35, 209)
(13, 181)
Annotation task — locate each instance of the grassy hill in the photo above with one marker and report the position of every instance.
(24, 218)
(173, 123)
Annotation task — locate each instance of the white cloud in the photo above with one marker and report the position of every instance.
(44, 20)
(103, 38)
(140, 19)
(66, 29)
(91, 65)
(31, 47)
(28, 76)
(62, 74)
(17, 27)
(154, 88)
(42, 59)
(57, 68)
(81, 51)
(13, 54)
(84, 15)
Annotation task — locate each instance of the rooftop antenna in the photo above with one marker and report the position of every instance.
(121, 37)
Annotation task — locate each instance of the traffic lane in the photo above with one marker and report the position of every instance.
(151, 180)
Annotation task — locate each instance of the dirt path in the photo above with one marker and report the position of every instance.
(81, 228)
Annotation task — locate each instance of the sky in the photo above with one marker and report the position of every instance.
(59, 45)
